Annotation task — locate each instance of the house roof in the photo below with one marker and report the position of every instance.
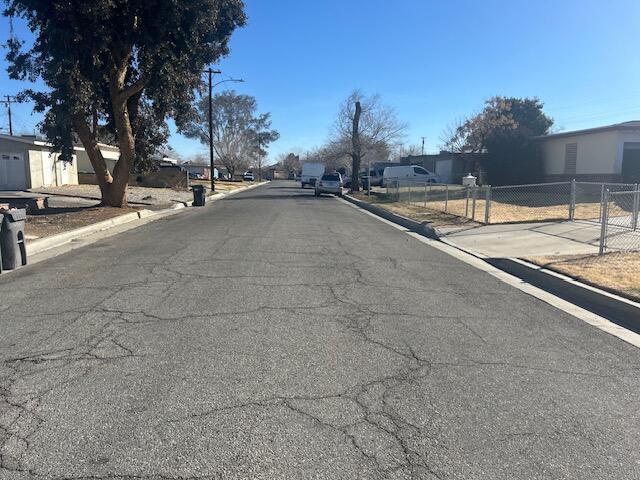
(41, 142)
(633, 125)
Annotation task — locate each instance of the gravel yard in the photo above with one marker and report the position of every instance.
(149, 197)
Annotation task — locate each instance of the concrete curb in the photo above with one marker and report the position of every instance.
(421, 228)
(617, 309)
(38, 246)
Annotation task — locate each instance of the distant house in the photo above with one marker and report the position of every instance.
(197, 168)
(29, 162)
(603, 154)
(451, 167)
(274, 173)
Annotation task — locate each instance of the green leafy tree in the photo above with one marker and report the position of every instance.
(129, 64)
(504, 131)
(240, 134)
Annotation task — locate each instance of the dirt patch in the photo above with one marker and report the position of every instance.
(51, 221)
(615, 271)
(415, 211)
(151, 197)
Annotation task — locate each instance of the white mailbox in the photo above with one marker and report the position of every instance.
(469, 180)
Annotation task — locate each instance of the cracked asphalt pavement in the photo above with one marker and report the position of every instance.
(276, 335)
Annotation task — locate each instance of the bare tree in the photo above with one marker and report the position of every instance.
(364, 126)
(401, 151)
(452, 140)
(240, 134)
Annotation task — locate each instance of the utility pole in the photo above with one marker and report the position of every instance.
(423, 139)
(8, 102)
(211, 72)
(259, 158)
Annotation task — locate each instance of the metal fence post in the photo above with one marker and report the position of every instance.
(636, 205)
(487, 206)
(601, 200)
(446, 197)
(572, 201)
(425, 195)
(604, 219)
(466, 207)
(410, 189)
(474, 196)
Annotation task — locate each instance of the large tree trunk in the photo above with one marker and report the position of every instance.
(126, 143)
(88, 139)
(356, 153)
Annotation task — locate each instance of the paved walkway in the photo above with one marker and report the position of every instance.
(530, 239)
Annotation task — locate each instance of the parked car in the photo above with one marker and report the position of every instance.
(248, 176)
(408, 174)
(375, 177)
(329, 183)
(195, 176)
(311, 173)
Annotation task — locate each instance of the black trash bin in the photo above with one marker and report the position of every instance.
(12, 246)
(1, 217)
(198, 195)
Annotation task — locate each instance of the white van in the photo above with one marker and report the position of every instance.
(311, 173)
(407, 174)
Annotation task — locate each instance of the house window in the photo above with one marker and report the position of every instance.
(570, 158)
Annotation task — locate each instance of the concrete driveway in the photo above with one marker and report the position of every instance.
(275, 335)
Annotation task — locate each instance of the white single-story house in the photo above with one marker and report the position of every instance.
(28, 162)
(110, 153)
(603, 154)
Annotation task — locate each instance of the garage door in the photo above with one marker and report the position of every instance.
(12, 176)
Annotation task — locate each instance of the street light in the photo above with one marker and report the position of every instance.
(211, 72)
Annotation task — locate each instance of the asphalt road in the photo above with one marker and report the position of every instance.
(275, 335)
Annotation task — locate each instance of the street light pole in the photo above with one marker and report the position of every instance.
(211, 72)
(212, 174)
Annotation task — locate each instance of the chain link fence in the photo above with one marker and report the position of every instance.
(458, 200)
(619, 221)
(613, 205)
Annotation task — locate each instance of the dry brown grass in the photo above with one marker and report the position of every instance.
(512, 213)
(619, 272)
(415, 212)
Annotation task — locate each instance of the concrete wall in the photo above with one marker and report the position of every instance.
(46, 169)
(163, 178)
(110, 154)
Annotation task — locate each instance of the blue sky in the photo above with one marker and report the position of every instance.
(433, 61)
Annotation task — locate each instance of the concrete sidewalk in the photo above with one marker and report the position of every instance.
(530, 239)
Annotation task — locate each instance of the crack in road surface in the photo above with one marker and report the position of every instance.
(294, 337)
